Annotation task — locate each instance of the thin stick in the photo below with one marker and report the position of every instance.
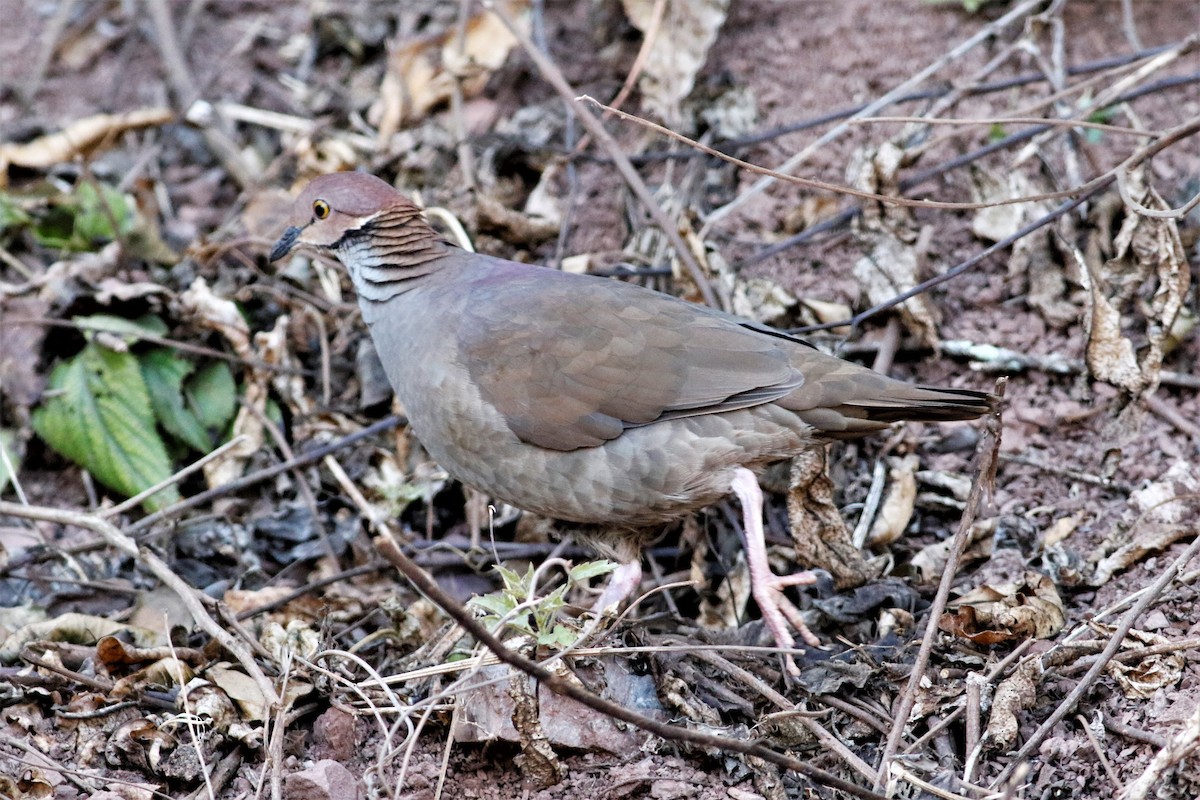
(983, 35)
(988, 452)
(554, 77)
(200, 463)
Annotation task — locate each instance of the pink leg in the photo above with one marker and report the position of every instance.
(767, 587)
(622, 583)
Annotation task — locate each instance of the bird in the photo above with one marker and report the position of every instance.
(600, 403)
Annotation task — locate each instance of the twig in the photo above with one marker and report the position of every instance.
(1168, 137)
(427, 586)
(187, 95)
(988, 453)
(927, 94)
(1103, 759)
(184, 347)
(920, 178)
(199, 463)
(302, 460)
(1169, 413)
(554, 77)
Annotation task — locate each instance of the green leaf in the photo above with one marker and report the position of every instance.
(211, 395)
(558, 638)
(496, 603)
(589, 570)
(98, 414)
(85, 218)
(130, 329)
(164, 371)
(513, 584)
(102, 213)
(12, 216)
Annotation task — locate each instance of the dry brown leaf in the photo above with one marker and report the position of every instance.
(486, 711)
(762, 299)
(819, 533)
(890, 263)
(1139, 680)
(421, 74)
(1016, 692)
(930, 561)
(80, 138)
(1135, 295)
(70, 627)
(1060, 530)
(241, 688)
(1159, 514)
(1033, 258)
(680, 48)
(994, 614)
(813, 312)
(898, 504)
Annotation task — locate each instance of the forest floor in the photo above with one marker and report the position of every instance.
(147, 155)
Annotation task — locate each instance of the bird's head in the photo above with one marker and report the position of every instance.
(332, 205)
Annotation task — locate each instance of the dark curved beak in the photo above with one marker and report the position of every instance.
(285, 243)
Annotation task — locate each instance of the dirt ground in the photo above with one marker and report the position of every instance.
(1093, 507)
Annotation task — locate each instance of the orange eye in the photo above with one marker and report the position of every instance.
(320, 209)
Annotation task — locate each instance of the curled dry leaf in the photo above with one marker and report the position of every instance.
(684, 32)
(1159, 514)
(80, 138)
(1136, 294)
(421, 74)
(1017, 691)
(69, 627)
(823, 312)
(486, 711)
(898, 503)
(819, 533)
(993, 614)
(1141, 679)
(762, 299)
(202, 307)
(1033, 258)
(930, 561)
(890, 263)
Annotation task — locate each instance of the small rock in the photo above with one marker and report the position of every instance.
(324, 780)
(334, 736)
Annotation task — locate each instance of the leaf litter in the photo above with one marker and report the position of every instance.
(1065, 535)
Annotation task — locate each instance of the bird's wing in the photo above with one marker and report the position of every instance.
(572, 361)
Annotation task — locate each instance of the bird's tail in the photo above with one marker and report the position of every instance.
(897, 401)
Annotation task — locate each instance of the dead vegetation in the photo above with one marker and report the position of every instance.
(219, 536)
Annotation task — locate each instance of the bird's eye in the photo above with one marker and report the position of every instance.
(320, 209)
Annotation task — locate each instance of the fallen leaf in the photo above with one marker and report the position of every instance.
(993, 614)
(682, 38)
(80, 138)
(1140, 679)
(421, 74)
(1158, 515)
(890, 262)
(1016, 692)
(1137, 294)
(898, 504)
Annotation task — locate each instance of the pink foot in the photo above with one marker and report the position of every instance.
(767, 587)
